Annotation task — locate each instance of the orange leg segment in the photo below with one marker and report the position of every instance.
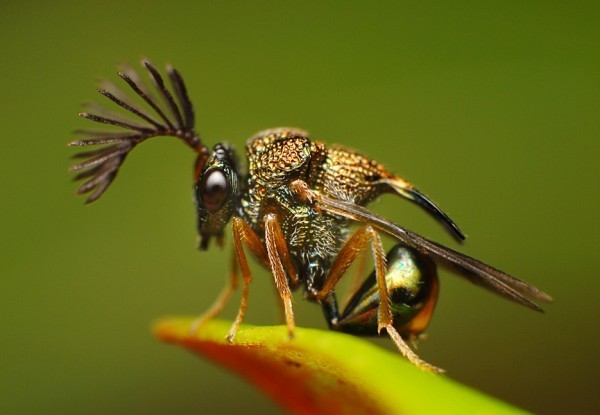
(222, 299)
(355, 283)
(280, 262)
(408, 353)
(349, 252)
(242, 232)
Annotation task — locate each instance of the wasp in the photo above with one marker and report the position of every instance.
(292, 209)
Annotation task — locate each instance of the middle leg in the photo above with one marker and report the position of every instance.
(347, 255)
(281, 266)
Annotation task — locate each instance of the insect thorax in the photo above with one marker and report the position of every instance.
(278, 157)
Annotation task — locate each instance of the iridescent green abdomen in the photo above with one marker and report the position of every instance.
(412, 283)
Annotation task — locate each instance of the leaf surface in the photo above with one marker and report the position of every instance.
(324, 372)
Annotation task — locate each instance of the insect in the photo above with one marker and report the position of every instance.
(292, 210)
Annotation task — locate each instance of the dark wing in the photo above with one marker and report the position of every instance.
(475, 271)
(101, 165)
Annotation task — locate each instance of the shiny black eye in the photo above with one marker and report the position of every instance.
(214, 189)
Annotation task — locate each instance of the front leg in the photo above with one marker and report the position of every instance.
(222, 299)
(242, 232)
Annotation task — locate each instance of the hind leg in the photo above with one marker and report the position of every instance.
(411, 280)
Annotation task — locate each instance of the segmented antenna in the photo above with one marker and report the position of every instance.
(102, 165)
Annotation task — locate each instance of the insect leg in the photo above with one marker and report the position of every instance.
(408, 353)
(280, 262)
(287, 264)
(273, 227)
(330, 310)
(242, 232)
(356, 279)
(223, 297)
(384, 313)
(347, 255)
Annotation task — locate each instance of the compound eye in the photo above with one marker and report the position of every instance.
(214, 189)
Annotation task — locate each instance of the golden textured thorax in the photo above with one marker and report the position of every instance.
(278, 157)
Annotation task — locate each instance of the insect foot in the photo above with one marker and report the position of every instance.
(409, 354)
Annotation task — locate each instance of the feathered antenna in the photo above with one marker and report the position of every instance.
(101, 165)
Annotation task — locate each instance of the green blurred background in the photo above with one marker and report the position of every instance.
(491, 109)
